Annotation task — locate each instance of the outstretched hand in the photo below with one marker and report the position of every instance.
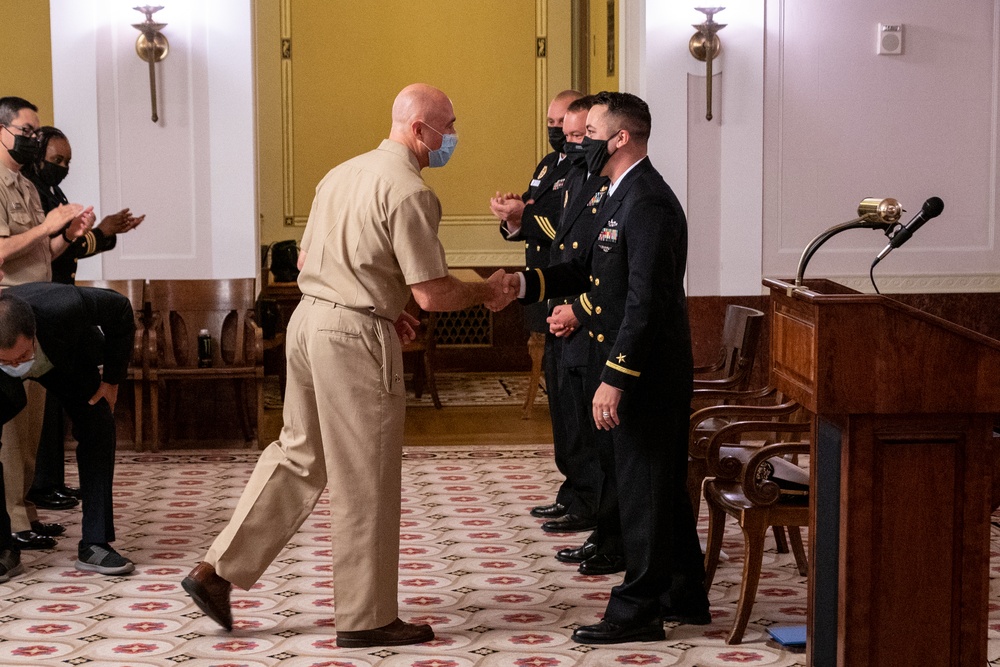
(503, 290)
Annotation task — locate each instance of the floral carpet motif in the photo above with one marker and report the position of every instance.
(473, 564)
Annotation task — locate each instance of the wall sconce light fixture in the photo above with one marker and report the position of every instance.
(152, 47)
(704, 45)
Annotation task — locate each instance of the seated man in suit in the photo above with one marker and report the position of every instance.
(59, 336)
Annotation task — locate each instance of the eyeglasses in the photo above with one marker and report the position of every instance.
(25, 130)
(28, 355)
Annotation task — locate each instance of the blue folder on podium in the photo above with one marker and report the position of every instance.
(789, 635)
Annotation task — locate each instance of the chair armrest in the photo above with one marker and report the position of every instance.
(733, 394)
(714, 366)
(729, 467)
(733, 411)
(740, 375)
(766, 491)
(138, 345)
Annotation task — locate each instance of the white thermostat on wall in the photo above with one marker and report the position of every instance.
(890, 39)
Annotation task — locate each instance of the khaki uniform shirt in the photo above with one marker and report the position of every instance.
(20, 210)
(372, 231)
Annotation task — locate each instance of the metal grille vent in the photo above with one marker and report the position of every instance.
(465, 328)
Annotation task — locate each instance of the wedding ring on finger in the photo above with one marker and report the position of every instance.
(605, 414)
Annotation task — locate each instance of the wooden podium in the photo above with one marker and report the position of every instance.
(904, 404)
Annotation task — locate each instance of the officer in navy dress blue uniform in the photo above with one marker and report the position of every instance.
(566, 357)
(641, 366)
(533, 217)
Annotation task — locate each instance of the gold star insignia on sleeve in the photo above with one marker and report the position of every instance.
(620, 358)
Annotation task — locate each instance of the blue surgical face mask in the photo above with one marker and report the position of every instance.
(439, 157)
(19, 370)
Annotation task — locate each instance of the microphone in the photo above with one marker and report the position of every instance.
(931, 209)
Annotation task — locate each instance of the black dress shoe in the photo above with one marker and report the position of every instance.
(553, 511)
(71, 491)
(577, 554)
(570, 523)
(52, 500)
(28, 540)
(396, 633)
(602, 564)
(47, 529)
(211, 593)
(607, 632)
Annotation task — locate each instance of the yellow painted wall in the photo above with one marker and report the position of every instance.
(600, 79)
(27, 55)
(350, 59)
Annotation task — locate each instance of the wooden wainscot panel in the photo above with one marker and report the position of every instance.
(793, 351)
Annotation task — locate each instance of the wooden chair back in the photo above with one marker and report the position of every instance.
(182, 308)
(740, 339)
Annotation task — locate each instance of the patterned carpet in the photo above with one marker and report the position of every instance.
(473, 389)
(455, 389)
(474, 565)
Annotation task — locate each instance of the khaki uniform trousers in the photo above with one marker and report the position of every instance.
(343, 424)
(19, 446)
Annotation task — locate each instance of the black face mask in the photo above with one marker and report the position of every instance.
(51, 174)
(596, 153)
(574, 152)
(26, 149)
(556, 138)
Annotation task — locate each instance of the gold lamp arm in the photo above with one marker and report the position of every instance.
(152, 47)
(705, 46)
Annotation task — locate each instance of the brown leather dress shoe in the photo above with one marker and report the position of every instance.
(396, 633)
(211, 593)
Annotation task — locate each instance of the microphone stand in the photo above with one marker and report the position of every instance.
(867, 221)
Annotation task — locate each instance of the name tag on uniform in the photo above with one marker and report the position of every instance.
(535, 182)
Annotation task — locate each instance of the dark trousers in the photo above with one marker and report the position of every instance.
(664, 566)
(6, 542)
(572, 432)
(50, 463)
(94, 430)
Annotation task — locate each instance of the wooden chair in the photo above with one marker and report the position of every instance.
(742, 484)
(180, 308)
(423, 347)
(734, 364)
(536, 350)
(138, 370)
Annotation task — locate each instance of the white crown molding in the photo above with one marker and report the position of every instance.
(927, 284)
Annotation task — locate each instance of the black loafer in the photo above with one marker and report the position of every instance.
(602, 564)
(28, 540)
(577, 554)
(607, 632)
(47, 529)
(553, 511)
(52, 500)
(570, 523)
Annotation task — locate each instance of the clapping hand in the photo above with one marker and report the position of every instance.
(120, 222)
(508, 207)
(60, 216)
(80, 225)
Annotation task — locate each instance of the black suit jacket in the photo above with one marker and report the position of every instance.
(633, 278)
(79, 329)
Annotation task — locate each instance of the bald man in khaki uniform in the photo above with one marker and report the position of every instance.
(371, 238)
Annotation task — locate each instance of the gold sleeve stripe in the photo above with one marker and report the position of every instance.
(546, 226)
(541, 284)
(585, 303)
(89, 243)
(622, 369)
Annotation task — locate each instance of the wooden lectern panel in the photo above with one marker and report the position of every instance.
(904, 405)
